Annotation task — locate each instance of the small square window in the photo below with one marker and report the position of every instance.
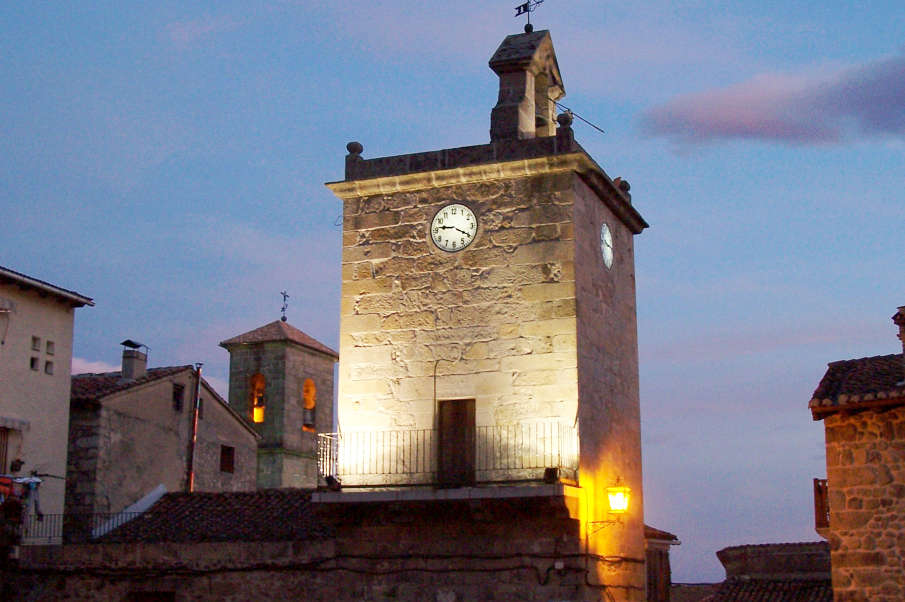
(50, 347)
(178, 396)
(36, 343)
(48, 367)
(34, 363)
(227, 458)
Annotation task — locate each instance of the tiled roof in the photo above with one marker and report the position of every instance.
(773, 590)
(91, 387)
(278, 331)
(86, 388)
(864, 382)
(262, 515)
(652, 533)
(71, 297)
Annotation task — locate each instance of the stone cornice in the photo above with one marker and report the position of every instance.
(578, 162)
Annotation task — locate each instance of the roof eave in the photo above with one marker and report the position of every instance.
(232, 411)
(227, 345)
(819, 411)
(73, 298)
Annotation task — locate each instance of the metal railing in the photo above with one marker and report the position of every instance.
(502, 453)
(55, 529)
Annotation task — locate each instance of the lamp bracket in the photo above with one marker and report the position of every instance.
(598, 525)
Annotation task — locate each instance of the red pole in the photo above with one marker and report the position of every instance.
(196, 407)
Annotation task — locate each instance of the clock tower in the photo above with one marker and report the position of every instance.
(488, 333)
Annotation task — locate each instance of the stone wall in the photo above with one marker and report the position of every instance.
(268, 360)
(517, 549)
(287, 455)
(133, 441)
(81, 474)
(301, 364)
(609, 410)
(218, 428)
(494, 322)
(865, 458)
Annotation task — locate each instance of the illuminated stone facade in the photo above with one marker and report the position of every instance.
(527, 323)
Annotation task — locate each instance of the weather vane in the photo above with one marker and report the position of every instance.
(526, 9)
(285, 304)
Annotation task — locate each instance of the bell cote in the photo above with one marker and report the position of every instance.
(529, 84)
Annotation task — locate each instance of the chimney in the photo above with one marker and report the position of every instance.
(899, 320)
(135, 362)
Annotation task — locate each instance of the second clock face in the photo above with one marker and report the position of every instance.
(454, 227)
(606, 245)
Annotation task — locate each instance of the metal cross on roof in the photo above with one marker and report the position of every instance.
(526, 9)
(285, 305)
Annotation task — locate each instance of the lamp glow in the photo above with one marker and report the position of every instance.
(258, 414)
(619, 499)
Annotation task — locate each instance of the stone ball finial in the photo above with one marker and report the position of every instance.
(355, 148)
(529, 28)
(564, 119)
(623, 185)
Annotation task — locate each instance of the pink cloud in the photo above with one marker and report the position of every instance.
(83, 366)
(185, 33)
(811, 108)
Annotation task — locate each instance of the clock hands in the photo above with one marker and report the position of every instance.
(454, 228)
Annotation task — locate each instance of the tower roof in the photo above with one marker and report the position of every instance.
(278, 331)
(518, 52)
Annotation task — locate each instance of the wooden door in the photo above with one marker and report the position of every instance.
(456, 453)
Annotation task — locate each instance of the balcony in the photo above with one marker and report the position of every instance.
(484, 454)
(55, 529)
(821, 506)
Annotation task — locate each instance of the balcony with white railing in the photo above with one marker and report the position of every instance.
(487, 454)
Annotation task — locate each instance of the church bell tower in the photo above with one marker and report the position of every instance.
(281, 381)
(488, 331)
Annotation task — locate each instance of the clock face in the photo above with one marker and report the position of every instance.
(606, 245)
(454, 227)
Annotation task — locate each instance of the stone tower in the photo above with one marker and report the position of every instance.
(488, 328)
(281, 380)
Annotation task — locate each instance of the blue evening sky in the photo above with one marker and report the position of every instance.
(168, 160)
